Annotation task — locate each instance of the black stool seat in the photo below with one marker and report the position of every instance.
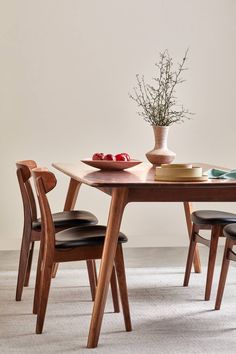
(230, 231)
(86, 236)
(70, 219)
(212, 217)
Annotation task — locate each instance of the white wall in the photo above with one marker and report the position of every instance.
(66, 70)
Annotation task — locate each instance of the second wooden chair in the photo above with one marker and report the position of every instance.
(73, 244)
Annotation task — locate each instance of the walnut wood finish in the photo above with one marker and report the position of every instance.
(118, 202)
(188, 208)
(114, 291)
(31, 235)
(138, 185)
(228, 256)
(72, 194)
(70, 201)
(191, 251)
(45, 182)
(120, 269)
(216, 232)
(92, 273)
(138, 176)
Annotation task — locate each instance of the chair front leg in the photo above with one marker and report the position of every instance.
(45, 283)
(223, 275)
(191, 251)
(92, 273)
(215, 234)
(120, 270)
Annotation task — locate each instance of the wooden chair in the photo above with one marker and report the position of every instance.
(229, 255)
(73, 244)
(215, 221)
(32, 229)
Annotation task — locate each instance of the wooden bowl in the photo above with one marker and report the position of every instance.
(108, 165)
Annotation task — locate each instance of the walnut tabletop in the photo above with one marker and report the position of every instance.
(142, 176)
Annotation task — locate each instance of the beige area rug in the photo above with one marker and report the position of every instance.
(166, 317)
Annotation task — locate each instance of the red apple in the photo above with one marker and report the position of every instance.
(109, 157)
(121, 157)
(126, 155)
(98, 156)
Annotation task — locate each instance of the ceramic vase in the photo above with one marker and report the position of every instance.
(160, 153)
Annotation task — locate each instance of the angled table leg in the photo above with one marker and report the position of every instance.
(72, 194)
(118, 202)
(196, 260)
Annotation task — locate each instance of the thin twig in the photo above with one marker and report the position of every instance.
(158, 102)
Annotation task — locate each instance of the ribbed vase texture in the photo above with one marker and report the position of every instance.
(160, 153)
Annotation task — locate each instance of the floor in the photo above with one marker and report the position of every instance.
(167, 318)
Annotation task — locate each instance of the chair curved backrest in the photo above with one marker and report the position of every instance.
(45, 181)
(23, 174)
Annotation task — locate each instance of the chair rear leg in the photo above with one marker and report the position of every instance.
(114, 291)
(54, 270)
(45, 283)
(92, 274)
(28, 270)
(215, 233)
(23, 262)
(191, 251)
(120, 270)
(223, 275)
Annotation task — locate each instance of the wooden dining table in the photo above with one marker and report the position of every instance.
(136, 185)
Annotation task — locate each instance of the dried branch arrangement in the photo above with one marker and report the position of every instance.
(158, 102)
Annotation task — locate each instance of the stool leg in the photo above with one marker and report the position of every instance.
(215, 233)
(223, 275)
(191, 251)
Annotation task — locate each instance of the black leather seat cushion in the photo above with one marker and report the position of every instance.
(70, 219)
(230, 231)
(212, 217)
(85, 236)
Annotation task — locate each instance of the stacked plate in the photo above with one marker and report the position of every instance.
(179, 173)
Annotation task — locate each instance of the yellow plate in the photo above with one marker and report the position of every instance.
(181, 179)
